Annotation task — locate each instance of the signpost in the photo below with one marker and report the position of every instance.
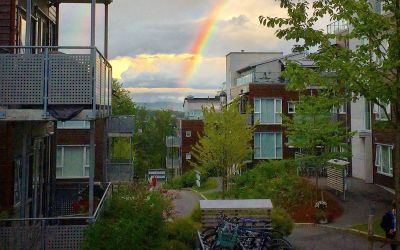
(198, 178)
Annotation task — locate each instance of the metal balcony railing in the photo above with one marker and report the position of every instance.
(173, 141)
(121, 125)
(63, 232)
(337, 27)
(53, 76)
(173, 163)
(260, 77)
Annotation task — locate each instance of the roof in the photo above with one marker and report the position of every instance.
(282, 59)
(80, 1)
(236, 204)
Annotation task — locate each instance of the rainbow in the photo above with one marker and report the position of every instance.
(200, 43)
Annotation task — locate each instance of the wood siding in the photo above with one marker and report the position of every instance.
(197, 128)
(7, 22)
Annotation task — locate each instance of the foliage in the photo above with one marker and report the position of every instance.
(226, 141)
(186, 180)
(275, 180)
(183, 230)
(151, 128)
(196, 214)
(135, 217)
(3, 214)
(208, 184)
(282, 221)
(122, 103)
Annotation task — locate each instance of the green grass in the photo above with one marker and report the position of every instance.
(210, 184)
(364, 227)
(213, 195)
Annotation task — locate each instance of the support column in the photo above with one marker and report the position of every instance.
(25, 174)
(28, 38)
(93, 23)
(57, 24)
(106, 31)
(92, 164)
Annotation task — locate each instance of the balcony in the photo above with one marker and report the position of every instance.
(62, 232)
(173, 141)
(260, 77)
(173, 163)
(337, 27)
(49, 82)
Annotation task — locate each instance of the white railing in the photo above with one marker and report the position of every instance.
(337, 27)
(260, 77)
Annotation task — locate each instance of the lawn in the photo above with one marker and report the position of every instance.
(210, 184)
(364, 228)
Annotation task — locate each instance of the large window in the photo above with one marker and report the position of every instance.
(73, 125)
(268, 111)
(73, 161)
(380, 112)
(383, 159)
(268, 145)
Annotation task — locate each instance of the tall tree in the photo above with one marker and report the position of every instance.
(314, 130)
(226, 142)
(122, 103)
(370, 69)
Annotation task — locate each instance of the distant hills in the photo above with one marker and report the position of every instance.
(161, 105)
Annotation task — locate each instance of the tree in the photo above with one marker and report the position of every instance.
(314, 130)
(225, 143)
(122, 103)
(370, 69)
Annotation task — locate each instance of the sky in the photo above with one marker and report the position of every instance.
(164, 50)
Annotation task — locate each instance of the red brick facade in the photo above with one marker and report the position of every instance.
(197, 128)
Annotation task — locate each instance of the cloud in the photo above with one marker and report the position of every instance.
(165, 70)
(175, 95)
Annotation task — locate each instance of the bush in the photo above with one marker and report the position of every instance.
(183, 230)
(189, 179)
(135, 217)
(282, 221)
(175, 183)
(196, 214)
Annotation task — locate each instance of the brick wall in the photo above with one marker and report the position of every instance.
(197, 128)
(7, 22)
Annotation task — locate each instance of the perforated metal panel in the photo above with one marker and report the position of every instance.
(36, 237)
(21, 78)
(64, 237)
(70, 79)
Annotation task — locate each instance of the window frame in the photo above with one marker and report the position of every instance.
(188, 133)
(188, 156)
(276, 157)
(380, 114)
(275, 99)
(85, 162)
(86, 125)
(294, 107)
(342, 108)
(379, 159)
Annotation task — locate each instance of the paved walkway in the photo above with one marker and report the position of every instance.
(361, 200)
(185, 201)
(318, 238)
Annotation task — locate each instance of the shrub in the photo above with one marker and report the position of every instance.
(135, 217)
(175, 183)
(189, 179)
(183, 230)
(196, 214)
(282, 221)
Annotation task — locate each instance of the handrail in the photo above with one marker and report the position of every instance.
(89, 218)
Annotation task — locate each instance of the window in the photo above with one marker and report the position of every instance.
(189, 133)
(268, 111)
(343, 108)
(268, 145)
(383, 159)
(73, 125)
(188, 156)
(380, 112)
(73, 161)
(291, 107)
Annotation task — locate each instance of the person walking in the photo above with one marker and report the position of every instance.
(389, 224)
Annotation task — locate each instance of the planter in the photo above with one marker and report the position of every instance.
(323, 221)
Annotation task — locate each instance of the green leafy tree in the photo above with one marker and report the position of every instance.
(226, 141)
(315, 131)
(370, 69)
(122, 103)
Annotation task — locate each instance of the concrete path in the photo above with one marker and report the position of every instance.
(362, 199)
(318, 238)
(185, 201)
